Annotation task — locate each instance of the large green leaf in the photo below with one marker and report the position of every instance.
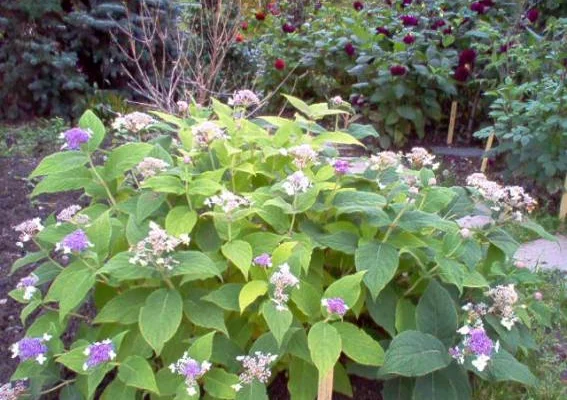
(202, 348)
(451, 383)
(218, 384)
(147, 204)
(383, 309)
(252, 391)
(380, 261)
(324, 346)
(250, 292)
(160, 317)
(90, 122)
(359, 345)
(59, 162)
(125, 157)
(180, 220)
(398, 389)
(347, 288)
(100, 233)
(504, 367)
(413, 353)
(72, 179)
(78, 277)
(194, 265)
(136, 372)
(436, 313)
(124, 308)
(279, 321)
(205, 314)
(240, 254)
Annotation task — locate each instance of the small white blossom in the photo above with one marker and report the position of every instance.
(228, 201)
(419, 158)
(303, 155)
(133, 122)
(282, 279)
(296, 183)
(155, 249)
(256, 367)
(151, 166)
(244, 98)
(191, 370)
(206, 132)
(70, 215)
(385, 160)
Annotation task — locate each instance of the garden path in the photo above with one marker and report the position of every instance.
(544, 254)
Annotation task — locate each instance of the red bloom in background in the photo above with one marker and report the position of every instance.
(467, 56)
(279, 64)
(438, 24)
(239, 38)
(398, 70)
(409, 39)
(448, 31)
(462, 73)
(288, 28)
(487, 3)
(358, 5)
(406, 3)
(409, 20)
(274, 9)
(244, 25)
(478, 7)
(350, 49)
(260, 15)
(532, 15)
(383, 31)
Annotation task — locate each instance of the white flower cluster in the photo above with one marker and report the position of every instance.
(255, 367)
(244, 98)
(228, 201)
(133, 122)
(296, 183)
(282, 279)
(151, 166)
(385, 160)
(27, 230)
(70, 215)
(303, 155)
(206, 132)
(511, 199)
(420, 157)
(154, 249)
(504, 297)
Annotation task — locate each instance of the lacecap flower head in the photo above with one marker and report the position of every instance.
(155, 249)
(335, 305)
(244, 98)
(27, 230)
(74, 138)
(99, 353)
(31, 348)
(151, 166)
(256, 367)
(75, 242)
(282, 279)
(70, 215)
(296, 183)
(27, 285)
(191, 370)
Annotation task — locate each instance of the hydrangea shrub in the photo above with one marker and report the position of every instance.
(213, 258)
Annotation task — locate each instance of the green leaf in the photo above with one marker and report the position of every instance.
(302, 383)
(100, 233)
(308, 299)
(366, 203)
(136, 372)
(398, 389)
(124, 308)
(77, 276)
(502, 239)
(476, 280)
(451, 383)
(73, 179)
(117, 390)
(160, 317)
(60, 162)
(124, 158)
(148, 202)
(324, 346)
(359, 346)
(120, 269)
(165, 184)
(436, 313)
(347, 288)
(218, 384)
(202, 348)
(360, 131)
(90, 122)
(336, 137)
(413, 353)
(29, 258)
(405, 315)
(250, 292)
(383, 309)
(451, 271)
(180, 220)
(226, 296)
(279, 321)
(194, 265)
(205, 314)
(504, 367)
(240, 254)
(252, 391)
(380, 260)
(299, 104)
(538, 229)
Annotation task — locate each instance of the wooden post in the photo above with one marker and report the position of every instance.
(563, 208)
(485, 159)
(452, 122)
(325, 391)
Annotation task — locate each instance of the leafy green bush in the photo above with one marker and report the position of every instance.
(234, 247)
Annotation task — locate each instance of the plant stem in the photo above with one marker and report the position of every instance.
(394, 224)
(57, 387)
(80, 316)
(101, 181)
(293, 215)
(212, 159)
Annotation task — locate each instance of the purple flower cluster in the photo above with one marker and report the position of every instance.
(335, 305)
(74, 138)
(263, 260)
(191, 370)
(256, 367)
(75, 242)
(476, 344)
(479, 343)
(342, 167)
(31, 348)
(27, 284)
(99, 353)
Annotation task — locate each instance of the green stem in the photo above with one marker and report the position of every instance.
(229, 230)
(394, 224)
(293, 215)
(232, 178)
(57, 387)
(80, 316)
(212, 159)
(102, 182)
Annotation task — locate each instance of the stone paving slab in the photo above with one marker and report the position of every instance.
(544, 254)
(467, 152)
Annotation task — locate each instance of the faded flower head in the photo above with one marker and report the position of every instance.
(75, 242)
(475, 222)
(206, 132)
(385, 160)
(263, 260)
(303, 155)
(70, 215)
(27, 230)
(296, 183)
(342, 167)
(228, 201)
(151, 166)
(335, 305)
(133, 122)
(99, 353)
(182, 106)
(256, 367)
(27, 284)
(155, 248)
(12, 390)
(282, 279)
(191, 370)
(337, 101)
(503, 299)
(244, 98)
(74, 138)
(419, 158)
(31, 348)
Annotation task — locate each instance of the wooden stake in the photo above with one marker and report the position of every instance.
(488, 147)
(563, 208)
(452, 122)
(325, 391)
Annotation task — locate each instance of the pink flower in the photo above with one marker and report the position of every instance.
(398, 70)
(409, 20)
(461, 74)
(409, 39)
(288, 28)
(538, 296)
(350, 49)
(532, 15)
(358, 5)
(467, 56)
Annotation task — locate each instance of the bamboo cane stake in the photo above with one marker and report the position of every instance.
(486, 149)
(452, 122)
(563, 208)
(325, 390)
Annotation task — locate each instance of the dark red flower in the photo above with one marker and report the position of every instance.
(487, 3)
(260, 15)
(398, 70)
(288, 28)
(279, 64)
(358, 5)
(467, 56)
(461, 74)
(406, 3)
(505, 47)
(409, 20)
(409, 39)
(350, 49)
(239, 38)
(478, 7)
(244, 25)
(448, 31)
(383, 31)
(532, 15)
(357, 100)
(438, 24)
